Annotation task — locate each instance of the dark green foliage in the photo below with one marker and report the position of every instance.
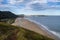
(7, 15)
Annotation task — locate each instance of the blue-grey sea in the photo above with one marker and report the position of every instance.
(52, 23)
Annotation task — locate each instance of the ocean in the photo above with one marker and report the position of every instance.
(51, 23)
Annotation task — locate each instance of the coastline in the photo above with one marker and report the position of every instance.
(54, 34)
(30, 25)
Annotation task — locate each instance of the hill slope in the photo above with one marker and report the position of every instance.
(9, 32)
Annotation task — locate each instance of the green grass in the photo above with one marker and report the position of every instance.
(8, 21)
(9, 32)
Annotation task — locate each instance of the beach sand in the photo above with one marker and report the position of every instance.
(33, 27)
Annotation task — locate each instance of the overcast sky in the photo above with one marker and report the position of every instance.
(31, 7)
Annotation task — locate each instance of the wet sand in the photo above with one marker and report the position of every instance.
(33, 27)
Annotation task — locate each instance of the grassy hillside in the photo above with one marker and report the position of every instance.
(9, 32)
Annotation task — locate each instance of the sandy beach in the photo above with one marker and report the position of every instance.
(33, 27)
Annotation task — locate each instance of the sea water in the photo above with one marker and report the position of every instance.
(51, 23)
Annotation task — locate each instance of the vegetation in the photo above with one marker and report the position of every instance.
(7, 15)
(9, 32)
(8, 21)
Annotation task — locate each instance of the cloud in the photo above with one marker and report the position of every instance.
(53, 0)
(4, 5)
(26, 1)
(14, 1)
(42, 1)
(35, 5)
(11, 8)
(1, 1)
(32, 4)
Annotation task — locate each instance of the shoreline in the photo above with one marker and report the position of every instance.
(45, 29)
(30, 25)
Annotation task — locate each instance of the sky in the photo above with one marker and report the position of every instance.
(31, 7)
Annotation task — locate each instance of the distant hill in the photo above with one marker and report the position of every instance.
(7, 14)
